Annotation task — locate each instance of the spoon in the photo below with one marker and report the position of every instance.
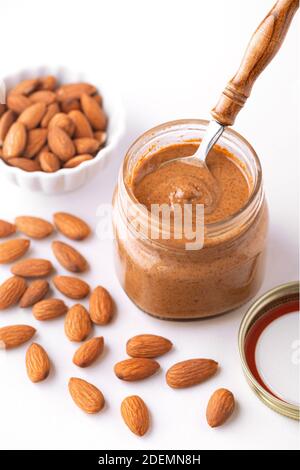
(263, 46)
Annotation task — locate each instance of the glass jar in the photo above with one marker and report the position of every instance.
(163, 278)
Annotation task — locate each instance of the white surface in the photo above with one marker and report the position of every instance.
(170, 60)
(274, 357)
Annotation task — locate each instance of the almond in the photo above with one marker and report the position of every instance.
(88, 352)
(25, 164)
(2, 108)
(37, 363)
(98, 98)
(64, 122)
(36, 291)
(18, 103)
(61, 144)
(86, 396)
(7, 119)
(15, 140)
(48, 309)
(71, 91)
(190, 372)
(77, 323)
(48, 82)
(100, 136)
(15, 335)
(52, 109)
(25, 87)
(68, 257)
(11, 291)
(32, 115)
(32, 267)
(220, 407)
(34, 227)
(101, 306)
(49, 162)
(136, 369)
(135, 414)
(82, 125)
(70, 105)
(77, 160)
(43, 96)
(86, 145)
(72, 287)
(71, 226)
(93, 112)
(6, 228)
(13, 249)
(36, 140)
(148, 346)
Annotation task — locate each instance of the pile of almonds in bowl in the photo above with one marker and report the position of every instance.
(143, 350)
(46, 126)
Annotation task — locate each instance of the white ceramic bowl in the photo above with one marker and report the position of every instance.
(66, 180)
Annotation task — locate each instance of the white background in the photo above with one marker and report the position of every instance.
(169, 60)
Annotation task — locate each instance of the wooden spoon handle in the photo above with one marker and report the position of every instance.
(263, 46)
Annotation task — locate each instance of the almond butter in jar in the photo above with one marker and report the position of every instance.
(158, 272)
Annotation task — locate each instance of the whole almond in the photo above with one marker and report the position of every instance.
(15, 335)
(71, 226)
(32, 267)
(35, 141)
(220, 407)
(101, 306)
(11, 291)
(49, 162)
(98, 98)
(70, 105)
(48, 82)
(18, 103)
(190, 372)
(43, 96)
(77, 160)
(37, 363)
(72, 287)
(52, 109)
(25, 87)
(15, 141)
(88, 352)
(25, 164)
(72, 91)
(93, 112)
(32, 115)
(86, 145)
(82, 125)
(86, 396)
(136, 369)
(100, 136)
(7, 119)
(60, 143)
(64, 122)
(148, 346)
(6, 228)
(13, 249)
(3, 108)
(36, 291)
(68, 257)
(135, 414)
(48, 309)
(34, 227)
(77, 323)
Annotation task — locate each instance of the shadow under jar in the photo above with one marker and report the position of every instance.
(161, 276)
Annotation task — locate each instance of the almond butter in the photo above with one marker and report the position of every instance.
(101, 306)
(220, 407)
(48, 82)
(77, 323)
(135, 414)
(37, 363)
(15, 335)
(77, 160)
(43, 96)
(25, 87)
(35, 141)
(86, 145)
(71, 91)
(93, 112)
(136, 369)
(36, 291)
(72, 287)
(18, 103)
(15, 140)
(6, 228)
(86, 396)
(71, 226)
(11, 250)
(60, 143)
(34, 227)
(190, 372)
(32, 115)
(148, 346)
(82, 125)
(24, 164)
(11, 291)
(49, 162)
(48, 309)
(70, 105)
(69, 257)
(32, 267)
(52, 109)
(7, 119)
(88, 352)
(64, 122)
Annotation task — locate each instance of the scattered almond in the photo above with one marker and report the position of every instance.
(190, 372)
(60, 143)
(72, 287)
(17, 102)
(220, 407)
(11, 291)
(93, 112)
(148, 346)
(101, 306)
(32, 115)
(86, 145)
(34, 227)
(136, 369)
(6, 228)
(77, 323)
(88, 352)
(77, 160)
(15, 140)
(15, 335)
(37, 363)
(82, 125)
(13, 249)
(71, 226)
(36, 291)
(32, 267)
(135, 414)
(86, 396)
(68, 257)
(49, 308)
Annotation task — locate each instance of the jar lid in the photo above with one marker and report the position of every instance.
(269, 346)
